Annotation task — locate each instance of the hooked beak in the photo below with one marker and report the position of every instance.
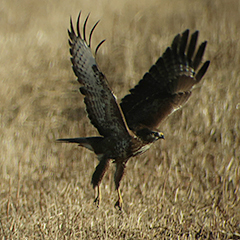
(161, 135)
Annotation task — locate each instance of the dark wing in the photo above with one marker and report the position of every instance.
(167, 85)
(103, 110)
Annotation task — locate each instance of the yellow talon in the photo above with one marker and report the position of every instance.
(119, 202)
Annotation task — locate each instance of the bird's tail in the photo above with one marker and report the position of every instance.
(90, 143)
(72, 140)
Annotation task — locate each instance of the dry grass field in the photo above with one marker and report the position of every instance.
(186, 187)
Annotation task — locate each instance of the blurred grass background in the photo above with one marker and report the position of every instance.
(187, 187)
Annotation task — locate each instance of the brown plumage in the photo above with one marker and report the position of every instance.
(130, 128)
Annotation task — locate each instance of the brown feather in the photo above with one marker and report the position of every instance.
(103, 110)
(100, 171)
(167, 85)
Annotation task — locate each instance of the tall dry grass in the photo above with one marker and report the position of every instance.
(187, 187)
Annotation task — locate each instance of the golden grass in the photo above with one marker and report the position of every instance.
(187, 187)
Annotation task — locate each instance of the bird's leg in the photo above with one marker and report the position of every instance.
(97, 178)
(119, 202)
(117, 178)
(98, 195)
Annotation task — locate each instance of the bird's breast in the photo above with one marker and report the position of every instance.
(138, 147)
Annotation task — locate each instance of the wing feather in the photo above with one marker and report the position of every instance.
(167, 85)
(103, 110)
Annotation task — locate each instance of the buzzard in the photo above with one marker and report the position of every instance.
(130, 128)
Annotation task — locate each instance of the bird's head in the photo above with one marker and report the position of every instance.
(149, 136)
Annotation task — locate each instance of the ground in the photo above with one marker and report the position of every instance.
(186, 187)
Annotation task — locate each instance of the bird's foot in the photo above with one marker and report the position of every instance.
(97, 201)
(98, 196)
(118, 205)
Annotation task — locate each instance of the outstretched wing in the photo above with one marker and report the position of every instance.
(167, 85)
(103, 110)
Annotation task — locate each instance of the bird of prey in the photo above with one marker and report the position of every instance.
(130, 128)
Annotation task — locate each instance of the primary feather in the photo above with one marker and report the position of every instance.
(103, 110)
(167, 85)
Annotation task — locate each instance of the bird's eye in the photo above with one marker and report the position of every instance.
(155, 134)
